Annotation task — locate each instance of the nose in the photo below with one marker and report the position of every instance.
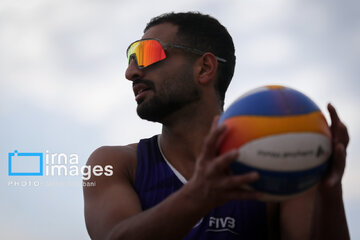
(133, 72)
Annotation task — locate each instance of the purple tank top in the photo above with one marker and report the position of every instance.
(156, 180)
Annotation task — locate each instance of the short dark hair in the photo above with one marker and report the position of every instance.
(207, 34)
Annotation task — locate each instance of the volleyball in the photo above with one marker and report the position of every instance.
(283, 135)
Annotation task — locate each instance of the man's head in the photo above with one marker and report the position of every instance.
(204, 33)
(180, 60)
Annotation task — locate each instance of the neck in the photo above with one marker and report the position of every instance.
(183, 134)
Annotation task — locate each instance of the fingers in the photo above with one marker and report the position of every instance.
(333, 114)
(221, 166)
(338, 129)
(221, 139)
(340, 140)
(238, 181)
(238, 186)
(212, 174)
(213, 139)
(222, 163)
(215, 122)
(245, 195)
(337, 167)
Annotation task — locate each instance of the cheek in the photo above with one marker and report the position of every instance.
(177, 78)
(166, 87)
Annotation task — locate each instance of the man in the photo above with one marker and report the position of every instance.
(175, 185)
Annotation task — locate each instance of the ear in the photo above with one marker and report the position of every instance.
(207, 68)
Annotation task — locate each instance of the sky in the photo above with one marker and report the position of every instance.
(63, 89)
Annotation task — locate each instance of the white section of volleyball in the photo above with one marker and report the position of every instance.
(286, 152)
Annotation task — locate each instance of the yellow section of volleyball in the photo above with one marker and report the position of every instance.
(282, 134)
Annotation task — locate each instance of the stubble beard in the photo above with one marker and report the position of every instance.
(170, 97)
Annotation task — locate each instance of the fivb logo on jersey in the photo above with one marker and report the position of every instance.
(50, 164)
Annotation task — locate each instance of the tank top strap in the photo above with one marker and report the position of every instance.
(154, 179)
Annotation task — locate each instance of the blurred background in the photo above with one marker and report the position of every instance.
(63, 90)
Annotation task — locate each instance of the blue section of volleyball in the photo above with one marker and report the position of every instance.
(271, 102)
(282, 183)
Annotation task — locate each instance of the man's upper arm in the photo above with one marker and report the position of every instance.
(113, 199)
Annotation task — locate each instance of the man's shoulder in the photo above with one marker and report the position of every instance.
(123, 159)
(113, 153)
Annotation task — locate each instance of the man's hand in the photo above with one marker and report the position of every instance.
(212, 180)
(340, 141)
(330, 219)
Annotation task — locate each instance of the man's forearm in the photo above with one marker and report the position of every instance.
(330, 219)
(171, 219)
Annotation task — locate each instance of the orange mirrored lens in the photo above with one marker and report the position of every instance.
(146, 52)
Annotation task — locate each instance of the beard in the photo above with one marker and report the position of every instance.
(171, 96)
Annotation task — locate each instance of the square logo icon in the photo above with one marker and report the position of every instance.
(25, 164)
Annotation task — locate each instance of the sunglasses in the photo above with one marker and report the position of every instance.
(151, 50)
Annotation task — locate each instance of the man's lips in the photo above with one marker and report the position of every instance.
(140, 90)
